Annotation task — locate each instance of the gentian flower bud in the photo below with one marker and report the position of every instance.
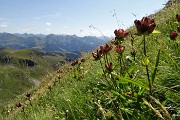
(120, 49)
(178, 18)
(18, 105)
(109, 67)
(173, 35)
(97, 55)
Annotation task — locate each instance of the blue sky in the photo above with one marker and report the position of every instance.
(73, 16)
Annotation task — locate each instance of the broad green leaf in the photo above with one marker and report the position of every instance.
(156, 32)
(135, 81)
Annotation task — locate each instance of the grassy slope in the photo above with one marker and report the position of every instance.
(16, 79)
(74, 98)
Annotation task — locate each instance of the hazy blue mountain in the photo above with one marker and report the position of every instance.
(51, 42)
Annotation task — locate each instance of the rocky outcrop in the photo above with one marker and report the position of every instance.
(26, 62)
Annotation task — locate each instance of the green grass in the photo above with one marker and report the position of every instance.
(16, 79)
(13, 82)
(86, 94)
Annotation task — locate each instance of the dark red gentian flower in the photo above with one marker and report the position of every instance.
(82, 60)
(173, 35)
(145, 26)
(18, 105)
(178, 17)
(105, 49)
(120, 49)
(178, 28)
(121, 33)
(109, 67)
(28, 95)
(97, 55)
(75, 62)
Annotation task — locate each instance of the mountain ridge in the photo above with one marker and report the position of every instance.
(51, 42)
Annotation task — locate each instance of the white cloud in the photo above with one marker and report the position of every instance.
(36, 18)
(95, 32)
(26, 28)
(3, 25)
(47, 29)
(65, 27)
(48, 24)
(53, 15)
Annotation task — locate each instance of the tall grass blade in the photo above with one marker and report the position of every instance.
(156, 66)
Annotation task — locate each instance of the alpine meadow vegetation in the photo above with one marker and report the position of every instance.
(135, 76)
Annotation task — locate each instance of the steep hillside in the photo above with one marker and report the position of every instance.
(137, 79)
(24, 69)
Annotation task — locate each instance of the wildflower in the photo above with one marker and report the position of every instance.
(105, 49)
(113, 41)
(120, 49)
(109, 67)
(120, 34)
(133, 53)
(145, 26)
(28, 95)
(18, 105)
(83, 60)
(173, 35)
(178, 17)
(97, 55)
(75, 62)
(178, 28)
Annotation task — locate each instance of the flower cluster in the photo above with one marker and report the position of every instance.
(173, 35)
(119, 49)
(104, 49)
(145, 26)
(121, 33)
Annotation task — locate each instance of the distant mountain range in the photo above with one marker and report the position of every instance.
(51, 42)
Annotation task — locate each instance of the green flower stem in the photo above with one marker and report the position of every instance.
(126, 68)
(147, 69)
(106, 56)
(120, 63)
(102, 68)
